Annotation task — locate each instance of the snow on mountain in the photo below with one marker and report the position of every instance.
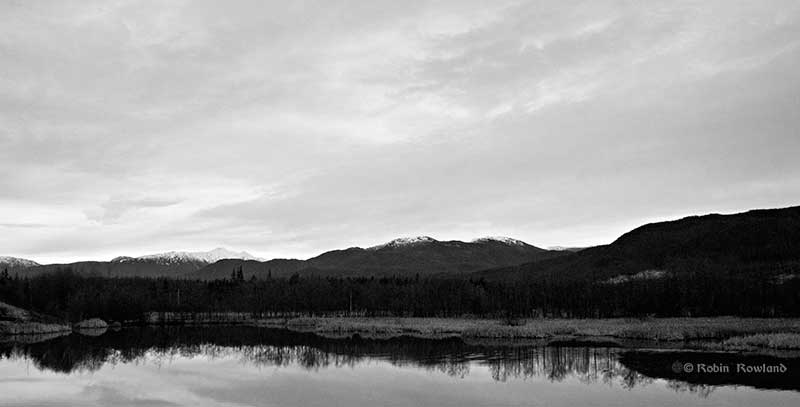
(6, 261)
(565, 249)
(181, 257)
(501, 239)
(405, 241)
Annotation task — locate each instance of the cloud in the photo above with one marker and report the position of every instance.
(290, 129)
(24, 225)
(113, 209)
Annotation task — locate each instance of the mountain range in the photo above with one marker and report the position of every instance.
(169, 264)
(762, 242)
(412, 256)
(405, 257)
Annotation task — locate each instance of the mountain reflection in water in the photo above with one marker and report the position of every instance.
(282, 348)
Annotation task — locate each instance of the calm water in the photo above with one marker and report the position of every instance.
(238, 366)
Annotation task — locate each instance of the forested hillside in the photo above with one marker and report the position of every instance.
(759, 244)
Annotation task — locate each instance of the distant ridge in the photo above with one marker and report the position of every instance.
(401, 257)
(765, 242)
(169, 264)
(210, 256)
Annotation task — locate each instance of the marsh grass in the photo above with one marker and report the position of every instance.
(789, 341)
(31, 328)
(654, 329)
(17, 321)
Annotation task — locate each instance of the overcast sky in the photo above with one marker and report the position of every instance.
(290, 128)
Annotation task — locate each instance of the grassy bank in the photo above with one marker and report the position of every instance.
(657, 329)
(18, 321)
(31, 328)
(770, 341)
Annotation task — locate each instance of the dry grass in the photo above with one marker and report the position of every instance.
(31, 328)
(11, 313)
(666, 329)
(17, 321)
(770, 341)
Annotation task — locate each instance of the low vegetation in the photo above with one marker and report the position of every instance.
(656, 329)
(781, 341)
(17, 321)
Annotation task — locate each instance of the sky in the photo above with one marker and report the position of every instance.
(288, 129)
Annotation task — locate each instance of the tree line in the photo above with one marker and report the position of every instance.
(72, 296)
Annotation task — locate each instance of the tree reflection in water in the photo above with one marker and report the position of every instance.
(282, 348)
(589, 365)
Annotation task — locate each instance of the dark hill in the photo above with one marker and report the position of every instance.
(766, 242)
(400, 257)
(428, 257)
(129, 268)
(260, 269)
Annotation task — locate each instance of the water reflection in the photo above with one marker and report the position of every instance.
(701, 371)
(280, 348)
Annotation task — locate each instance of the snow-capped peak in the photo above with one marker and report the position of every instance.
(7, 261)
(501, 239)
(406, 241)
(179, 257)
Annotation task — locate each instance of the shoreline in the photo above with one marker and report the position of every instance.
(726, 334)
(17, 321)
(9, 328)
(652, 329)
(715, 334)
